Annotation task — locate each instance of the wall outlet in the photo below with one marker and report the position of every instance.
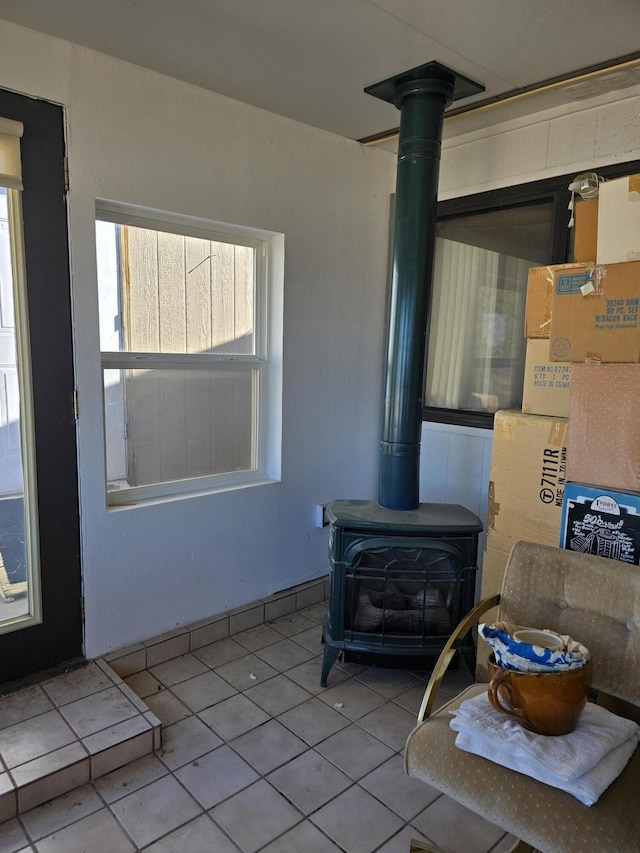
(321, 515)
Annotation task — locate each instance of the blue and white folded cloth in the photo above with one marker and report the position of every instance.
(583, 763)
(528, 658)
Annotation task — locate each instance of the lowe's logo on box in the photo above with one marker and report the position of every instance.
(572, 283)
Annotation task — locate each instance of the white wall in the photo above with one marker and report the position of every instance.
(137, 137)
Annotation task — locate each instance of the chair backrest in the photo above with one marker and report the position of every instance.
(593, 599)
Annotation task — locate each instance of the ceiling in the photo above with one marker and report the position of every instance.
(310, 60)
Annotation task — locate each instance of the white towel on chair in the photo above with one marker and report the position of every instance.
(583, 763)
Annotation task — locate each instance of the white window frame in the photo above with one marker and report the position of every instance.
(265, 364)
(11, 179)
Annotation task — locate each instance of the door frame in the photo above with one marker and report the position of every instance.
(58, 639)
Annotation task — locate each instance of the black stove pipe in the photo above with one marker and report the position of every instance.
(421, 95)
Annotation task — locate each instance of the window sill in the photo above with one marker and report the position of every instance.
(140, 496)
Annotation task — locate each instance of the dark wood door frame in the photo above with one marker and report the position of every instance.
(58, 639)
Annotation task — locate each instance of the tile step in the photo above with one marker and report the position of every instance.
(61, 733)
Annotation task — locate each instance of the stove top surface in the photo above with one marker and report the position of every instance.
(428, 517)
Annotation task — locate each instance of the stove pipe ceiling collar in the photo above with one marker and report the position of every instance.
(422, 95)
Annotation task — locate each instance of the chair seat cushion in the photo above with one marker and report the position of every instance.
(546, 817)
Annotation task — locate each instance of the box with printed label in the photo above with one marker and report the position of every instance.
(601, 522)
(526, 487)
(526, 482)
(619, 220)
(546, 383)
(537, 311)
(594, 313)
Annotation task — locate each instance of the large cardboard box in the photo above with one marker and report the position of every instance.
(601, 522)
(546, 383)
(526, 490)
(526, 487)
(603, 443)
(585, 231)
(537, 312)
(619, 221)
(594, 313)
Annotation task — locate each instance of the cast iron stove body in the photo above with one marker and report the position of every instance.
(400, 581)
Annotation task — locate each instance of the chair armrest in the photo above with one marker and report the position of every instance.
(446, 655)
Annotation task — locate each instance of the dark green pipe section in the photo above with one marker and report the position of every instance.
(422, 103)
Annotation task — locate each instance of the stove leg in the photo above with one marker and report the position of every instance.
(330, 657)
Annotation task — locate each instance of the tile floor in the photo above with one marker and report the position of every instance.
(256, 756)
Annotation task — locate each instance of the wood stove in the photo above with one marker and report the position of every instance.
(400, 580)
(403, 573)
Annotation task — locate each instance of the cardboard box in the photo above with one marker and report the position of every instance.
(594, 313)
(537, 312)
(527, 480)
(603, 442)
(525, 495)
(546, 383)
(601, 522)
(619, 221)
(585, 231)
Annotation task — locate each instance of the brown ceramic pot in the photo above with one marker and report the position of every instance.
(548, 703)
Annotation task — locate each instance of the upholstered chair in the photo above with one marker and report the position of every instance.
(597, 602)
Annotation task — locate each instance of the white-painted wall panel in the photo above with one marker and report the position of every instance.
(572, 139)
(618, 131)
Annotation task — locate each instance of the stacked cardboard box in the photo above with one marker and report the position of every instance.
(585, 232)
(525, 494)
(594, 313)
(575, 313)
(601, 513)
(618, 238)
(546, 383)
(594, 324)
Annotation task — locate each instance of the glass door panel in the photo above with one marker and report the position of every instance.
(19, 571)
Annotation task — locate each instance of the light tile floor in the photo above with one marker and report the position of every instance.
(257, 756)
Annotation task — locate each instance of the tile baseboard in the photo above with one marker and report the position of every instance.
(139, 656)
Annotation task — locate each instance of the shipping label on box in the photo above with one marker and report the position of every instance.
(546, 383)
(601, 522)
(594, 313)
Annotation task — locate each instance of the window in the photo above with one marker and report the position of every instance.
(476, 349)
(187, 361)
(485, 244)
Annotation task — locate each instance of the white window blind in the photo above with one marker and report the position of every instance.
(475, 360)
(10, 165)
(476, 347)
